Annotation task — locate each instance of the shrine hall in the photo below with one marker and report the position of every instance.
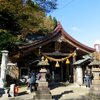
(64, 57)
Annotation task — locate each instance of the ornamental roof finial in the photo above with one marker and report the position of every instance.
(59, 25)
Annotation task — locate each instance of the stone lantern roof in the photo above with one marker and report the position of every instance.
(94, 63)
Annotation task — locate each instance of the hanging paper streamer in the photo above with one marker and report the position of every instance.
(57, 60)
(46, 60)
(74, 54)
(67, 61)
(57, 64)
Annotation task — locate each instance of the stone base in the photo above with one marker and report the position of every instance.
(95, 89)
(43, 97)
(94, 97)
(95, 92)
(43, 93)
(96, 82)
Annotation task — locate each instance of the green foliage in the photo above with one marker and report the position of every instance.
(22, 17)
(6, 41)
(47, 26)
(9, 15)
(8, 21)
(54, 20)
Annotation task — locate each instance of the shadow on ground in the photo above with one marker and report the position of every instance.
(22, 93)
(57, 97)
(54, 85)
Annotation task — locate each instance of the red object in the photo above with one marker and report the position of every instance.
(16, 90)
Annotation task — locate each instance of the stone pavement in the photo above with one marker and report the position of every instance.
(71, 92)
(59, 91)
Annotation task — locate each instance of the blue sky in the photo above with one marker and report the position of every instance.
(81, 19)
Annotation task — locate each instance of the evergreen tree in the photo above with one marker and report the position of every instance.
(30, 3)
(54, 21)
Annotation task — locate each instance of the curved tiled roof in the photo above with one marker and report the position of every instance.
(74, 41)
(58, 30)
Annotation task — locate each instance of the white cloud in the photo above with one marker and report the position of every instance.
(97, 42)
(75, 29)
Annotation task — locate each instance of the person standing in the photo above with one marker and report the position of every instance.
(32, 80)
(88, 78)
(38, 77)
(28, 82)
(85, 75)
(48, 76)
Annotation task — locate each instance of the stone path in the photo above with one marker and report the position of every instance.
(59, 92)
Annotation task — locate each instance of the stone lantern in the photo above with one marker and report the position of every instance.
(43, 92)
(95, 87)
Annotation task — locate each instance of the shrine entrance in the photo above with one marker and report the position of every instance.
(63, 72)
(60, 68)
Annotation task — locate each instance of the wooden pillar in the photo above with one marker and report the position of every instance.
(74, 69)
(67, 72)
(62, 71)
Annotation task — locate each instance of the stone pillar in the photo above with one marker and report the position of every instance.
(79, 75)
(95, 88)
(74, 74)
(4, 62)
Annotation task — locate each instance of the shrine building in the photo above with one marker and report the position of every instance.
(66, 58)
